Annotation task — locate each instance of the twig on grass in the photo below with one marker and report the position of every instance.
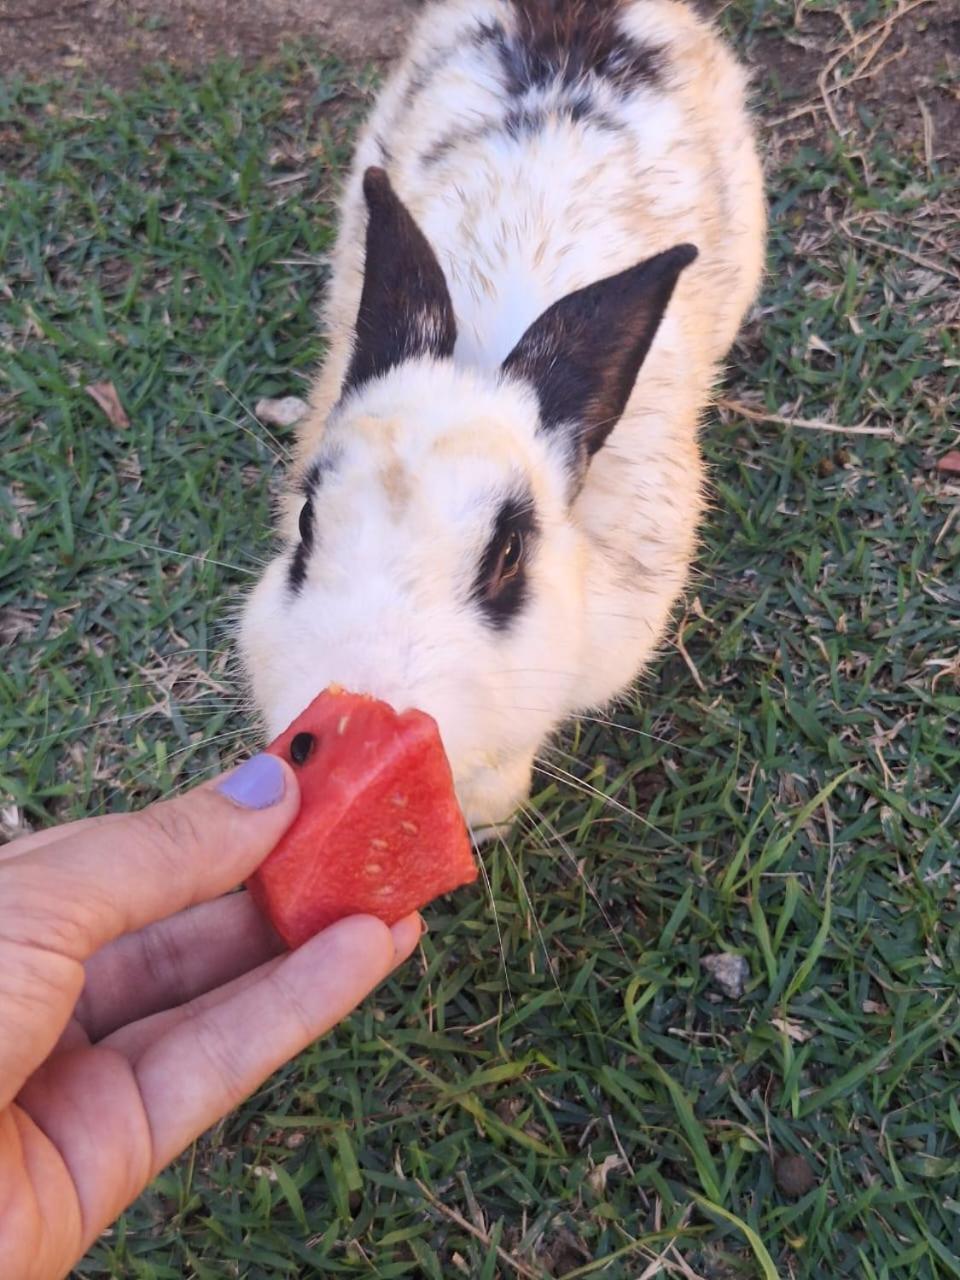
(808, 424)
(880, 31)
(520, 1267)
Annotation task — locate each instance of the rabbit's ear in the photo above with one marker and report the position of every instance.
(405, 308)
(584, 353)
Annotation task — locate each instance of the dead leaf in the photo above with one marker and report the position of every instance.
(281, 413)
(15, 623)
(597, 1177)
(950, 463)
(728, 971)
(12, 823)
(874, 1006)
(815, 343)
(794, 1030)
(105, 394)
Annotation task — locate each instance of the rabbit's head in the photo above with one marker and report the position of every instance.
(431, 555)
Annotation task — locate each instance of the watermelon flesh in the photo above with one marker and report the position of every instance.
(379, 830)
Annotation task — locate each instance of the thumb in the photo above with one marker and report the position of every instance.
(118, 874)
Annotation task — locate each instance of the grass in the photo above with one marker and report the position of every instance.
(785, 788)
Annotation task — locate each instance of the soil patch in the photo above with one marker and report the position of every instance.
(115, 38)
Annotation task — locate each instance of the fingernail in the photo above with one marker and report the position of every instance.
(259, 783)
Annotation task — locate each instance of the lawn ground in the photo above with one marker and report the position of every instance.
(558, 1087)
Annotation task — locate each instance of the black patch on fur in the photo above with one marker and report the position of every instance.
(313, 476)
(581, 108)
(501, 604)
(297, 572)
(321, 467)
(425, 72)
(309, 486)
(524, 122)
(449, 142)
(556, 41)
(570, 40)
(405, 308)
(488, 32)
(584, 353)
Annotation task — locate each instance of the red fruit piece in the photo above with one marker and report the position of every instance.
(379, 830)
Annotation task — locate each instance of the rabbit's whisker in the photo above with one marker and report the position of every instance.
(642, 733)
(173, 755)
(168, 551)
(278, 453)
(496, 918)
(532, 914)
(284, 452)
(562, 775)
(537, 816)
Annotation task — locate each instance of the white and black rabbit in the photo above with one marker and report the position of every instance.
(552, 230)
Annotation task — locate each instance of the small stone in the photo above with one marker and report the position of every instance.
(793, 1176)
(728, 971)
(281, 413)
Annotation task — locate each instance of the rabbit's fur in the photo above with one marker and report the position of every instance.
(492, 511)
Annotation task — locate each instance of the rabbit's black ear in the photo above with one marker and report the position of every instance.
(405, 308)
(584, 353)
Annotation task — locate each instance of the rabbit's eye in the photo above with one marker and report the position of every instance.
(511, 557)
(500, 586)
(306, 521)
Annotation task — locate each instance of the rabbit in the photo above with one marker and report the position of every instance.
(552, 229)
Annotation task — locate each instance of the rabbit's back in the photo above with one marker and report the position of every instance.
(543, 144)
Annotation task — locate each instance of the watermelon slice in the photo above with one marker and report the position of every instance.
(379, 830)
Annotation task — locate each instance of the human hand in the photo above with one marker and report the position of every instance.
(137, 1007)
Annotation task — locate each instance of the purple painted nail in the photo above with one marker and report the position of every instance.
(259, 783)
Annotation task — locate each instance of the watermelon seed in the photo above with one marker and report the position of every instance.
(301, 747)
